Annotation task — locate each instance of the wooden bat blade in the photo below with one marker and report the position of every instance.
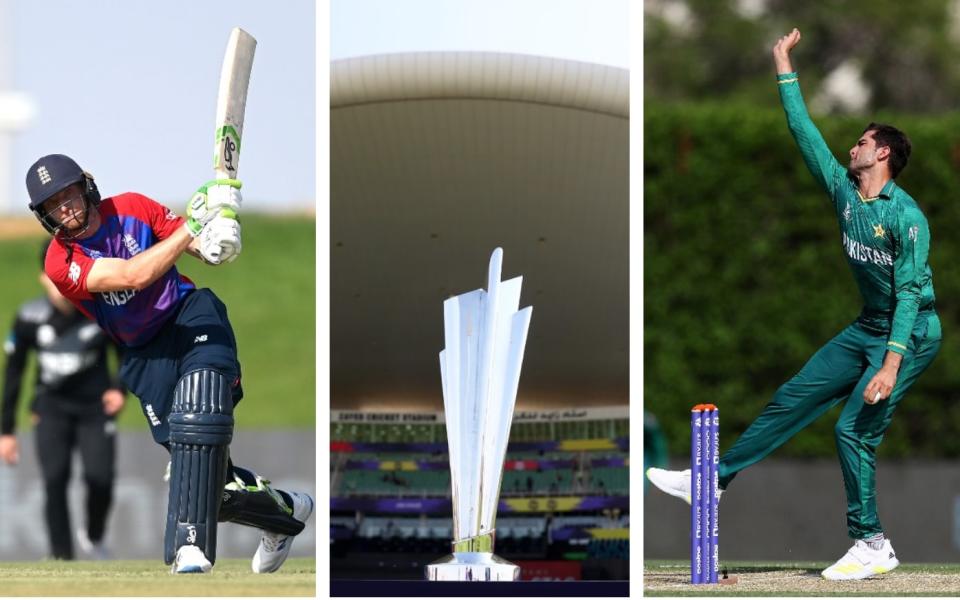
(232, 102)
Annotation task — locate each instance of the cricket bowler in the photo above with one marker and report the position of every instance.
(114, 259)
(870, 365)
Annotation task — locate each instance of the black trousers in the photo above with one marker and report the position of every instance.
(57, 435)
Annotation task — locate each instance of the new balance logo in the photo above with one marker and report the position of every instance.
(200, 338)
(191, 534)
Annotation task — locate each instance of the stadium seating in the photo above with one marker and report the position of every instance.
(423, 474)
(567, 460)
(519, 432)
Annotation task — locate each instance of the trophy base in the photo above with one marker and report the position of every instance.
(472, 566)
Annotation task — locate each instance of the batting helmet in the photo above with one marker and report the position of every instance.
(52, 174)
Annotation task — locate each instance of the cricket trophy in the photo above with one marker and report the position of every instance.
(485, 336)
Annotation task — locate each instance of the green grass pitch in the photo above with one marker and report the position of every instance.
(230, 577)
(672, 578)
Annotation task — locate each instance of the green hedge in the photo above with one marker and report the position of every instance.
(744, 275)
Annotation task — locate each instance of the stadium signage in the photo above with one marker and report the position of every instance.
(520, 416)
(343, 416)
(572, 414)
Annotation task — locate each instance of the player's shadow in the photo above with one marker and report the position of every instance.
(772, 568)
(730, 574)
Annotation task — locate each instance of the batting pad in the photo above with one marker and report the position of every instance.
(201, 428)
(249, 500)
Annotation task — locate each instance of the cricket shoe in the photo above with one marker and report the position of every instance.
(274, 547)
(675, 483)
(862, 561)
(95, 550)
(190, 559)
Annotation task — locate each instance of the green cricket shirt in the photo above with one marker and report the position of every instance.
(886, 239)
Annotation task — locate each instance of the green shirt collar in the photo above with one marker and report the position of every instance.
(886, 193)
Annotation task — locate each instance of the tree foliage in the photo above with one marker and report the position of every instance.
(745, 277)
(907, 51)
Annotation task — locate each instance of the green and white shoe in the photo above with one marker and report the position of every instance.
(862, 561)
(675, 483)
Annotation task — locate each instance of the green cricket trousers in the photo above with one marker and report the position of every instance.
(839, 372)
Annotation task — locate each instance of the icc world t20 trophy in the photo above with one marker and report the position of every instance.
(485, 336)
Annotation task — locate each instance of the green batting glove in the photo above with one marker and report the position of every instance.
(216, 197)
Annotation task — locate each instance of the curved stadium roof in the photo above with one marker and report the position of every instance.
(436, 159)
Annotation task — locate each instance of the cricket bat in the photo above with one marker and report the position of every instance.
(232, 102)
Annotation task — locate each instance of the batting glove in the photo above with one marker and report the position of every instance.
(220, 240)
(219, 197)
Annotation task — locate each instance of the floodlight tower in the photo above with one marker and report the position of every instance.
(16, 110)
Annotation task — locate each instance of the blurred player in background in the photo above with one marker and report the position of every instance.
(74, 405)
(870, 365)
(114, 259)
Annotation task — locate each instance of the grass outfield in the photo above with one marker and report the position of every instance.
(270, 295)
(672, 578)
(230, 577)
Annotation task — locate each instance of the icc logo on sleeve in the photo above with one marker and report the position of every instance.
(74, 272)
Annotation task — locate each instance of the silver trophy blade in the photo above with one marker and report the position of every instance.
(485, 336)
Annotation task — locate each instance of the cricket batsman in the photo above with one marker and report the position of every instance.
(114, 259)
(870, 365)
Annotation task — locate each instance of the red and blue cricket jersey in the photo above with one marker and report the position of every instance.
(130, 223)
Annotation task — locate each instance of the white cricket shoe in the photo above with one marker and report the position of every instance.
(274, 547)
(190, 559)
(862, 561)
(95, 550)
(675, 483)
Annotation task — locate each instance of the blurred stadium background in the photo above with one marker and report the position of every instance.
(135, 106)
(743, 269)
(436, 159)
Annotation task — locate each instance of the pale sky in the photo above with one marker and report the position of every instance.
(128, 89)
(594, 31)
